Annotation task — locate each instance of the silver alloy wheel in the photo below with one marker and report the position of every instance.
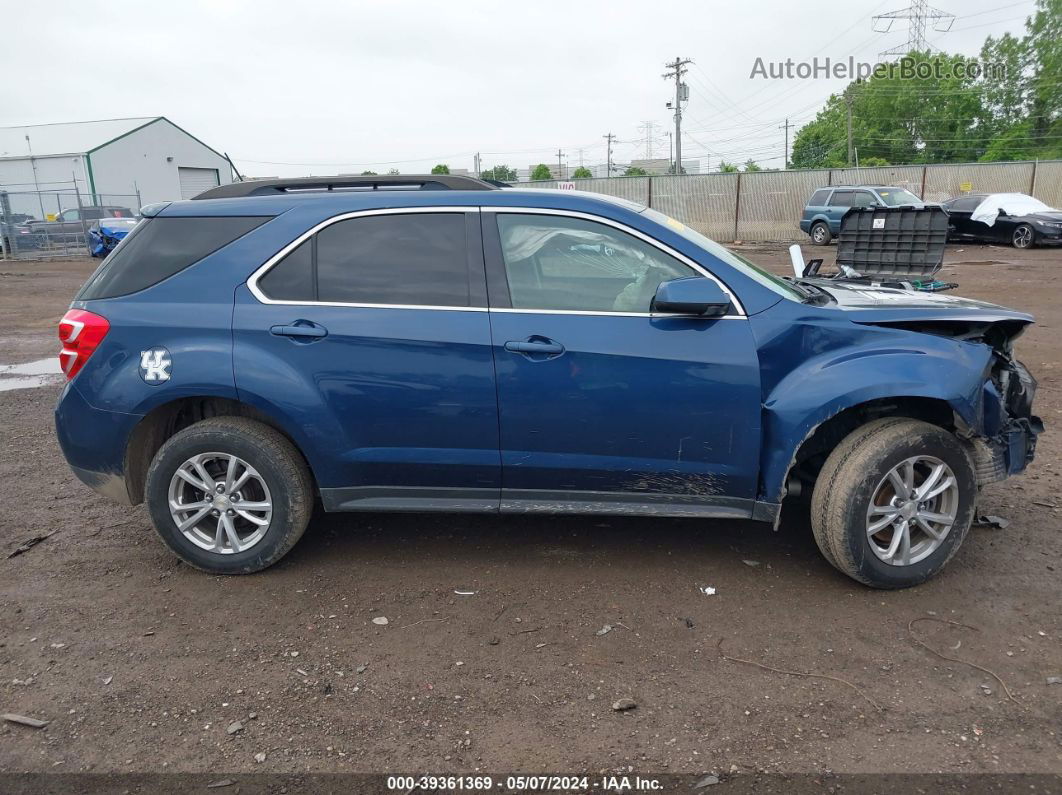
(912, 511)
(220, 503)
(818, 234)
(1023, 237)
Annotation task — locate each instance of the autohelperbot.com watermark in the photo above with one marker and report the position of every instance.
(905, 68)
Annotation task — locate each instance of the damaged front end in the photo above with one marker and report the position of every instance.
(1005, 441)
(1008, 440)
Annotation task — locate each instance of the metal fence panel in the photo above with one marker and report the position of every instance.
(946, 180)
(704, 202)
(909, 177)
(1047, 183)
(767, 205)
(771, 202)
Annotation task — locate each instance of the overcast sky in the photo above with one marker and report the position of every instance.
(290, 88)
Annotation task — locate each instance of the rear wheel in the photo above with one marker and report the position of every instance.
(894, 502)
(229, 495)
(820, 234)
(1023, 236)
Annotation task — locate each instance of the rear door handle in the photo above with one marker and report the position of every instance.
(299, 329)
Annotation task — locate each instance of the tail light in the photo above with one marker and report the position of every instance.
(81, 333)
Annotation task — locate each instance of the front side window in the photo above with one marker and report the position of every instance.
(559, 263)
(864, 199)
(894, 197)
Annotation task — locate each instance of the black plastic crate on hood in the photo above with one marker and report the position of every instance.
(895, 242)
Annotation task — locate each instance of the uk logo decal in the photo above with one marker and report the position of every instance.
(155, 365)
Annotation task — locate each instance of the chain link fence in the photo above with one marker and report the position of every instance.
(56, 223)
(767, 205)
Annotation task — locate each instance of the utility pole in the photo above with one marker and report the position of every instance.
(786, 127)
(608, 154)
(848, 98)
(560, 167)
(475, 168)
(670, 153)
(677, 69)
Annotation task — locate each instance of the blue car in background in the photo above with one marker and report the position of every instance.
(826, 207)
(438, 343)
(105, 234)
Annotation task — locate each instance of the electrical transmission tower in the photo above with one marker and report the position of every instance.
(920, 13)
(647, 127)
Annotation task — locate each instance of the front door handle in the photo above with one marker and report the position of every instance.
(300, 328)
(536, 348)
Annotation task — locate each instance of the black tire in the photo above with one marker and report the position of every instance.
(846, 486)
(270, 453)
(820, 234)
(1023, 236)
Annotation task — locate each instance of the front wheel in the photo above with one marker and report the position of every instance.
(229, 495)
(894, 502)
(1023, 236)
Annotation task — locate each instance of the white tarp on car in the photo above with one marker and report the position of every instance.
(1010, 203)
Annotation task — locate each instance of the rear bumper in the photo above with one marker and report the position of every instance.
(805, 226)
(93, 442)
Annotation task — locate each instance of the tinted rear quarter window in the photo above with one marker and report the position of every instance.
(818, 198)
(158, 248)
(291, 279)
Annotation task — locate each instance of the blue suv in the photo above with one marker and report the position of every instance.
(827, 206)
(442, 344)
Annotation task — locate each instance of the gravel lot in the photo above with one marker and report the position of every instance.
(140, 663)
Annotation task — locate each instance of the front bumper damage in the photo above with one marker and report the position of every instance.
(1008, 440)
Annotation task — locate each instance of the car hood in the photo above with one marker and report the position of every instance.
(871, 304)
(1055, 216)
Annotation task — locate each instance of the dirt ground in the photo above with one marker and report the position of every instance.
(141, 663)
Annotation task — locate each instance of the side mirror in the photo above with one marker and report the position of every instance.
(696, 295)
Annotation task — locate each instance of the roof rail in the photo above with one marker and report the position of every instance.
(275, 187)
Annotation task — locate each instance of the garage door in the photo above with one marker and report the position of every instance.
(196, 180)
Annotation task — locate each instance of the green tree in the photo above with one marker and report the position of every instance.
(368, 173)
(727, 168)
(751, 165)
(871, 162)
(541, 171)
(635, 171)
(582, 173)
(501, 173)
(442, 168)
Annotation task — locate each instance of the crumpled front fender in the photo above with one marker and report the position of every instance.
(840, 379)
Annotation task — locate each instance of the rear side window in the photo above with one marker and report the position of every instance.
(418, 259)
(157, 248)
(818, 198)
(841, 198)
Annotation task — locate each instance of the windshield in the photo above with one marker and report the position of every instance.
(736, 261)
(894, 197)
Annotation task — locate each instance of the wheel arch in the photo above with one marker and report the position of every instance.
(822, 436)
(164, 420)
